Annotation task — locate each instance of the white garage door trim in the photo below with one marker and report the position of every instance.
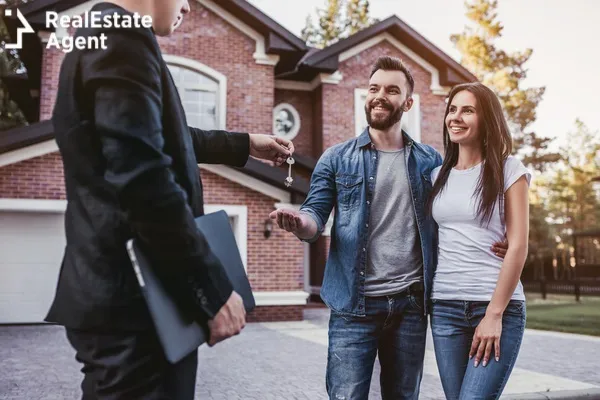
(27, 205)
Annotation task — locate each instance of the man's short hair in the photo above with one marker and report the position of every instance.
(388, 63)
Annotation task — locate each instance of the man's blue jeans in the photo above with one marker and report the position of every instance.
(394, 327)
(453, 324)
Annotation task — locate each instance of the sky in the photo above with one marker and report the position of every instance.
(564, 37)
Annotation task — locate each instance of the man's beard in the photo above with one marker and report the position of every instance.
(382, 124)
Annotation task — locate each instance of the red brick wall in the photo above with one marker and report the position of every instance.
(276, 313)
(51, 61)
(274, 264)
(318, 117)
(338, 100)
(303, 103)
(36, 178)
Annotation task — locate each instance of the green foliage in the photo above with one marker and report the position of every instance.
(572, 201)
(337, 20)
(10, 64)
(564, 200)
(504, 73)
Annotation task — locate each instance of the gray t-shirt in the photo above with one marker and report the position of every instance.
(394, 259)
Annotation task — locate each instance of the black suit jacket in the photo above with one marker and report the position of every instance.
(131, 170)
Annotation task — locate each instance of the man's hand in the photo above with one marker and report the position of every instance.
(229, 321)
(500, 248)
(296, 222)
(270, 148)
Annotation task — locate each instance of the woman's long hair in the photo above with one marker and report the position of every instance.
(496, 146)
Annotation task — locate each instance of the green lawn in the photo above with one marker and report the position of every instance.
(564, 314)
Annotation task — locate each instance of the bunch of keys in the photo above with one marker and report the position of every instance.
(289, 180)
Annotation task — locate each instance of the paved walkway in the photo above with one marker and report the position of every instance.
(281, 361)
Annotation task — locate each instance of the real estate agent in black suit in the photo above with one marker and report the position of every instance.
(131, 170)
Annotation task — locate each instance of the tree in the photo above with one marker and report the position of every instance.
(572, 199)
(540, 230)
(330, 26)
(564, 200)
(504, 73)
(337, 20)
(357, 16)
(10, 63)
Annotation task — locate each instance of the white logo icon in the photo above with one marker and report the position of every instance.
(20, 31)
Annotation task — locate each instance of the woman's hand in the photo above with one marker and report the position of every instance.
(487, 335)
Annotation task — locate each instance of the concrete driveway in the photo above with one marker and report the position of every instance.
(286, 361)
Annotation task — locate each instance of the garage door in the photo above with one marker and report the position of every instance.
(31, 250)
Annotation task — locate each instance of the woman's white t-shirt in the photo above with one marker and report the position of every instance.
(467, 268)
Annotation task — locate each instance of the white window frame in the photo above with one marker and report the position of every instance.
(359, 110)
(193, 65)
(239, 214)
(411, 121)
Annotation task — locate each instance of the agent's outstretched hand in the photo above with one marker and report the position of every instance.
(270, 148)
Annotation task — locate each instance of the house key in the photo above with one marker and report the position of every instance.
(289, 179)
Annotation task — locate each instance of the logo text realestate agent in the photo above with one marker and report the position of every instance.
(60, 39)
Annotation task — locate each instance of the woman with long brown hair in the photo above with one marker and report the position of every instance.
(479, 196)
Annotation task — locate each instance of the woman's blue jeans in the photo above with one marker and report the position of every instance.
(453, 324)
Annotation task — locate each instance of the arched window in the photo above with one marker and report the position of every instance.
(202, 91)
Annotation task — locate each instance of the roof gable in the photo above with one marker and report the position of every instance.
(450, 71)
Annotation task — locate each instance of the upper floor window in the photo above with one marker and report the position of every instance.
(200, 97)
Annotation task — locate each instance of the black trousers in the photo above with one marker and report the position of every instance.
(131, 365)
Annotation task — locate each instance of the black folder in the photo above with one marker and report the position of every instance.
(178, 334)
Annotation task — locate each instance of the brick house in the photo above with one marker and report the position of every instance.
(236, 69)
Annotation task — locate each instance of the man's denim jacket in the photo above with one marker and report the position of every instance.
(344, 179)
